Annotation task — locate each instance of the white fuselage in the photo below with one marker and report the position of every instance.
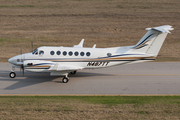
(84, 58)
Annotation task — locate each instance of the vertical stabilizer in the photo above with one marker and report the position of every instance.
(152, 41)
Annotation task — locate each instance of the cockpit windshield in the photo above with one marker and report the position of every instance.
(35, 52)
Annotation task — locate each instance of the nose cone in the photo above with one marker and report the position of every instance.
(17, 60)
(12, 60)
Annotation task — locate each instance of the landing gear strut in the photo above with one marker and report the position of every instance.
(66, 79)
(12, 74)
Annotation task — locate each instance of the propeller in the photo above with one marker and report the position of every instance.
(22, 60)
(22, 65)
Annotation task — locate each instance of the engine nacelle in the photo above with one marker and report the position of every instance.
(37, 65)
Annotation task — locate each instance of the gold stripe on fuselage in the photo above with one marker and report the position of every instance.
(39, 66)
(101, 59)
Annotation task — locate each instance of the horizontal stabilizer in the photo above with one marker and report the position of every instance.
(163, 29)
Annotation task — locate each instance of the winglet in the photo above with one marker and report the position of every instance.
(80, 45)
(94, 46)
(163, 29)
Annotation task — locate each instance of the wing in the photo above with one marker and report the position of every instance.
(60, 67)
(62, 70)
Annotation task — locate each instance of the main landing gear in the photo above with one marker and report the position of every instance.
(66, 79)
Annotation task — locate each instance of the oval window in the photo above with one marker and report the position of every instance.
(70, 53)
(109, 54)
(58, 52)
(64, 53)
(88, 53)
(82, 53)
(76, 53)
(52, 52)
(41, 52)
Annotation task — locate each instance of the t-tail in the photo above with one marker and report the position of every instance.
(152, 41)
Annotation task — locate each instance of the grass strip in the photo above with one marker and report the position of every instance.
(107, 100)
(89, 107)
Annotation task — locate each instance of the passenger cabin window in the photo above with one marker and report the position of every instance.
(41, 52)
(76, 53)
(58, 52)
(70, 53)
(52, 52)
(82, 53)
(88, 53)
(64, 53)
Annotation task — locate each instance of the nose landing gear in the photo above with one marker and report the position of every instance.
(12, 74)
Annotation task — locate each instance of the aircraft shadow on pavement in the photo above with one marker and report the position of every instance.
(36, 78)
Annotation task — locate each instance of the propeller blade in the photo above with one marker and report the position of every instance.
(22, 63)
(22, 67)
(21, 55)
(32, 45)
(23, 71)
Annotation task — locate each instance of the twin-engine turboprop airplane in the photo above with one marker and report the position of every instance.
(60, 61)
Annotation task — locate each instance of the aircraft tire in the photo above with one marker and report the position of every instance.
(65, 79)
(12, 74)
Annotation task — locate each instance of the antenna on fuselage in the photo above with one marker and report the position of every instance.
(80, 45)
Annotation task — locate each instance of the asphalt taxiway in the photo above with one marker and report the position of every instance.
(152, 78)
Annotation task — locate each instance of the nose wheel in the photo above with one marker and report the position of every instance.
(12, 74)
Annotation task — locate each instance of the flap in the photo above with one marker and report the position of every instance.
(60, 67)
